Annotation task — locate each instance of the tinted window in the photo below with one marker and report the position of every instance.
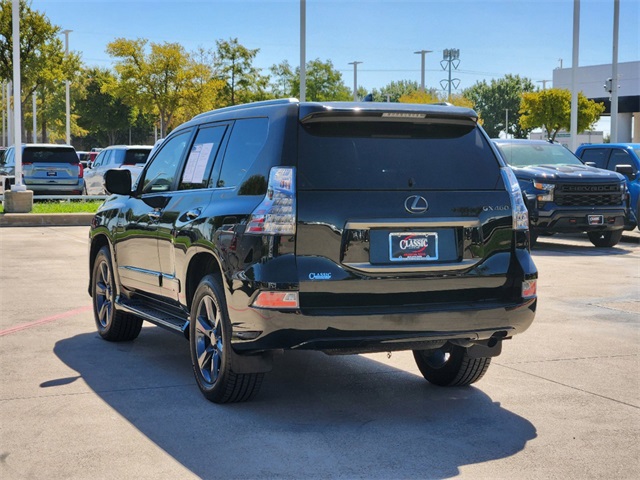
(49, 155)
(395, 156)
(201, 157)
(596, 155)
(136, 157)
(620, 157)
(533, 154)
(162, 171)
(247, 140)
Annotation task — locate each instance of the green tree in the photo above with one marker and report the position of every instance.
(395, 90)
(242, 81)
(159, 80)
(492, 100)
(324, 83)
(551, 109)
(43, 63)
(282, 80)
(101, 113)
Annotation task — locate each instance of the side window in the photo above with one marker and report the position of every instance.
(596, 155)
(202, 157)
(108, 158)
(117, 157)
(9, 158)
(247, 139)
(99, 160)
(620, 157)
(162, 171)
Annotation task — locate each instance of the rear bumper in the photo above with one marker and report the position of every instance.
(55, 188)
(384, 330)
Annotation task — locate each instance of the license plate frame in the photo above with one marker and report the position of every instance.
(413, 246)
(595, 219)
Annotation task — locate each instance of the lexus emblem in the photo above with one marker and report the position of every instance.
(416, 204)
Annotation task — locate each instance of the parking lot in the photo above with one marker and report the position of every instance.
(562, 401)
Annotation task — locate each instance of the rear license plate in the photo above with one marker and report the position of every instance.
(413, 246)
(595, 219)
(52, 174)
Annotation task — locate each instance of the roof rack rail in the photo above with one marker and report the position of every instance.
(263, 103)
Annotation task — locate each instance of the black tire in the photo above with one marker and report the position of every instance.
(608, 238)
(113, 325)
(450, 366)
(84, 189)
(210, 345)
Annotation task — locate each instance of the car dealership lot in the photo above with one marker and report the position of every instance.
(562, 401)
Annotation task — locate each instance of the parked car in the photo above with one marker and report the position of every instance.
(623, 158)
(130, 157)
(48, 169)
(339, 227)
(564, 195)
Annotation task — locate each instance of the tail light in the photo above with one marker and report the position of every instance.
(276, 214)
(519, 210)
(276, 300)
(80, 171)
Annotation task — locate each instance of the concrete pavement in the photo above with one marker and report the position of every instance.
(562, 401)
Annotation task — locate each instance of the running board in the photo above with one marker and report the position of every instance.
(158, 317)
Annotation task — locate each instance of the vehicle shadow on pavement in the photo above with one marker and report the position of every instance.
(551, 248)
(315, 417)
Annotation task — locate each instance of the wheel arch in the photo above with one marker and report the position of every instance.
(200, 265)
(97, 242)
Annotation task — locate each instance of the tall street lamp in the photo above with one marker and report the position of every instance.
(66, 53)
(422, 53)
(355, 79)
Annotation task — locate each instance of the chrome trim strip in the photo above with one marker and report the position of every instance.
(412, 222)
(447, 267)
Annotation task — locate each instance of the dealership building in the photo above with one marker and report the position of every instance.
(595, 82)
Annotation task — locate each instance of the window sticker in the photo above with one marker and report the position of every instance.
(197, 163)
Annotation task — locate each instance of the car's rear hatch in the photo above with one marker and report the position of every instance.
(399, 210)
(50, 165)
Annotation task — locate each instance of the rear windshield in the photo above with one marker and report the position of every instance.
(136, 157)
(531, 155)
(395, 156)
(49, 155)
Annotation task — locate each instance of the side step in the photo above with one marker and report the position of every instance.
(175, 323)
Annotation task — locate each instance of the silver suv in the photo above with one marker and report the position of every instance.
(128, 157)
(48, 168)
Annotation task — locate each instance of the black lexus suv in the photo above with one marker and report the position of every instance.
(339, 227)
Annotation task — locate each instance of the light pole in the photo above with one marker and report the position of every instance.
(422, 54)
(35, 126)
(574, 76)
(613, 134)
(303, 48)
(506, 124)
(544, 83)
(355, 79)
(66, 53)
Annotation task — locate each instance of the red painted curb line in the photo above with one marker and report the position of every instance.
(42, 321)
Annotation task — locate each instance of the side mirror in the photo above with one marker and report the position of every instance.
(590, 164)
(626, 170)
(118, 181)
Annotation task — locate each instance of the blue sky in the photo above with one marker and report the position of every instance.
(495, 37)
